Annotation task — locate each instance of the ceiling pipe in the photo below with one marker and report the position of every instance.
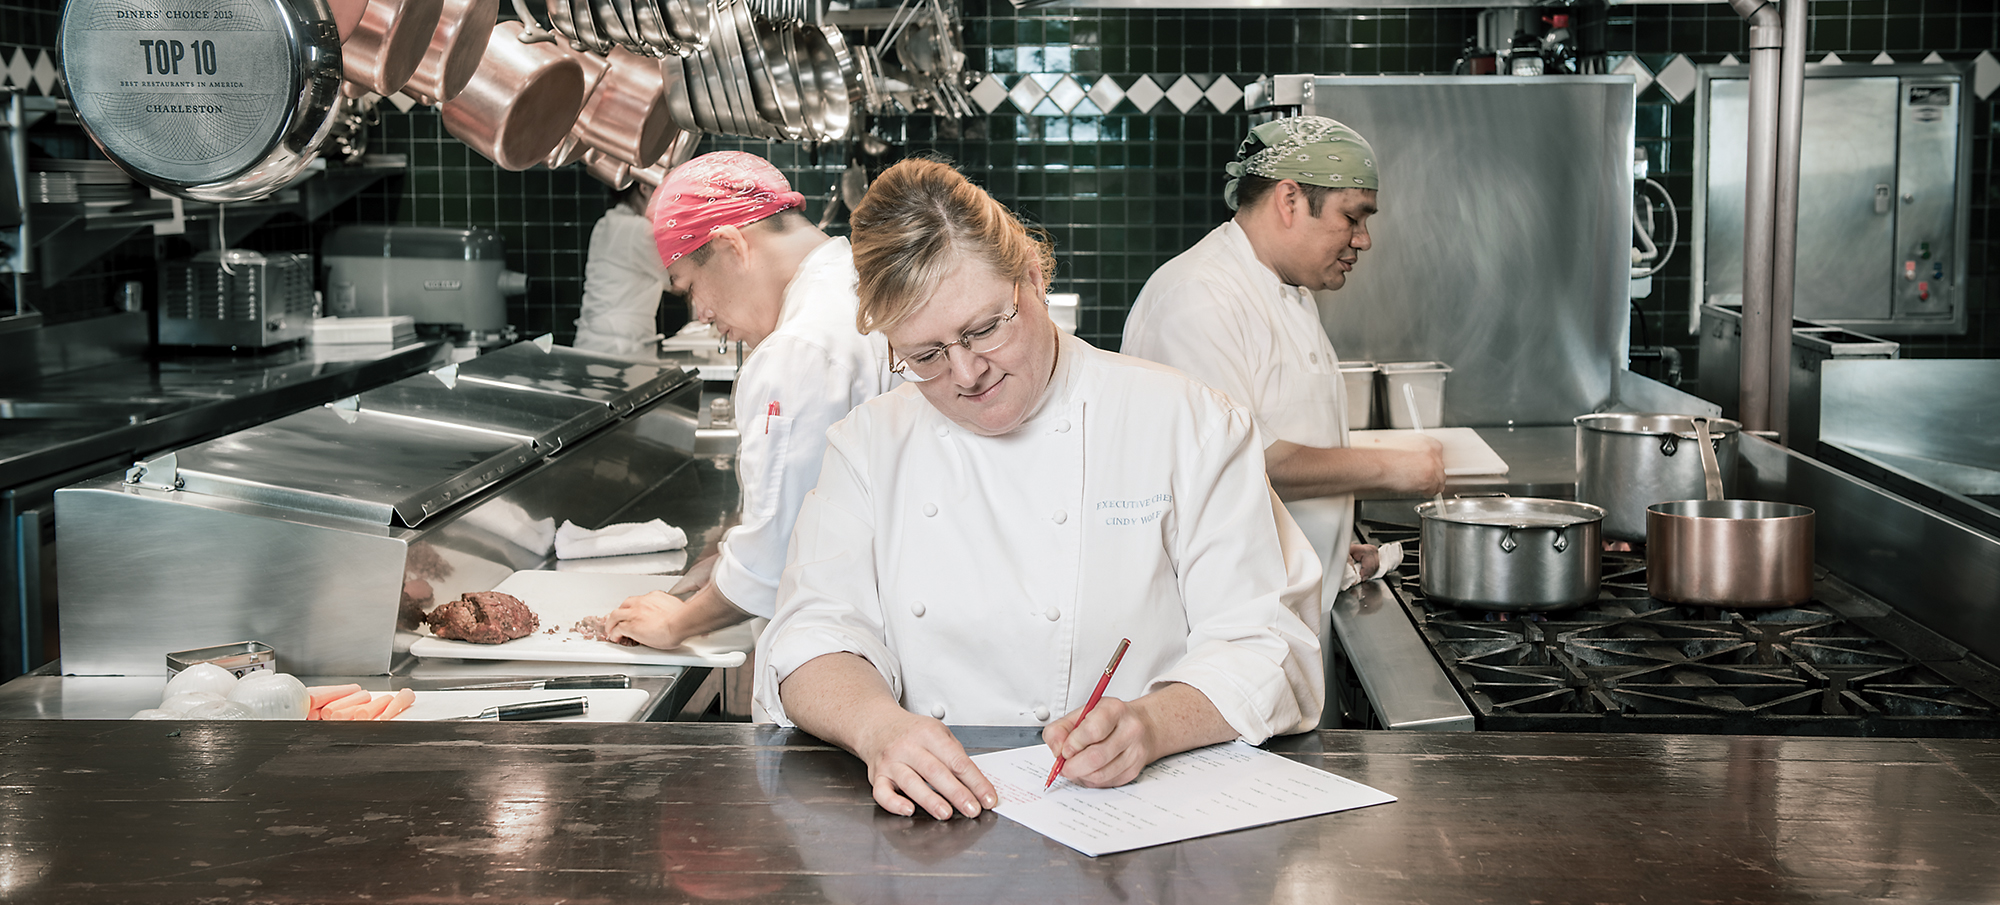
(1785, 234)
(1759, 179)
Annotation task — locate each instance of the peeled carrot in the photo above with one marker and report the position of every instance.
(323, 695)
(400, 702)
(373, 709)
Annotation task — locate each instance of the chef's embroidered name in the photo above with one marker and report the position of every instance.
(1149, 517)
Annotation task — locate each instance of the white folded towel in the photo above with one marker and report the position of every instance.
(573, 542)
(508, 520)
(671, 562)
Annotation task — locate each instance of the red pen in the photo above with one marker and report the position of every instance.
(1096, 694)
(769, 411)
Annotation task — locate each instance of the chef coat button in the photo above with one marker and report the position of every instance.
(1314, 358)
(1062, 427)
(944, 432)
(1053, 614)
(937, 711)
(1060, 517)
(1041, 714)
(917, 609)
(930, 509)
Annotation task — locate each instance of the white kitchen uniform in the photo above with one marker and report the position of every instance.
(1223, 317)
(813, 368)
(622, 281)
(990, 578)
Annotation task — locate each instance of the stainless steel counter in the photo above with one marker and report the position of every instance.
(271, 812)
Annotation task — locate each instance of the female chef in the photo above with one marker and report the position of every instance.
(982, 537)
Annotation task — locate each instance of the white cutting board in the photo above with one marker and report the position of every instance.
(560, 599)
(607, 705)
(1464, 452)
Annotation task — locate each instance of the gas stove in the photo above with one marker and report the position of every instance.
(1843, 664)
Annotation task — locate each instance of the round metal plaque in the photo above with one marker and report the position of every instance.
(208, 98)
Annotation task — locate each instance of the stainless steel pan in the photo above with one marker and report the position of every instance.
(231, 135)
(1511, 553)
(1626, 462)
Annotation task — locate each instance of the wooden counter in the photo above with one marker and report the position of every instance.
(134, 812)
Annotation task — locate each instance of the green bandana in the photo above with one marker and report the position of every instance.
(1311, 150)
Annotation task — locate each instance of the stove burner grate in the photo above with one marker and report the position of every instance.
(1627, 662)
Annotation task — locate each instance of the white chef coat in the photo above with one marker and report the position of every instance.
(990, 578)
(814, 367)
(622, 281)
(1223, 317)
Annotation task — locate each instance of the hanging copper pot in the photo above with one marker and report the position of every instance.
(520, 102)
(456, 47)
(387, 42)
(628, 115)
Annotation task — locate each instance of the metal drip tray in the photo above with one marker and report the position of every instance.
(381, 468)
(618, 383)
(549, 420)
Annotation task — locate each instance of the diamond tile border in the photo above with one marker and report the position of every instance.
(1223, 94)
(1145, 94)
(1106, 94)
(1184, 93)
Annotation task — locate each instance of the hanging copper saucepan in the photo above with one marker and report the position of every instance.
(629, 115)
(1728, 553)
(521, 101)
(608, 169)
(388, 41)
(455, 50)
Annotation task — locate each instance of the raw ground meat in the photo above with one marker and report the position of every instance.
(592, 627)
(483, 617)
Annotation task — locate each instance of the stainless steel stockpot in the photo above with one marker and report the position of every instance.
(1626, 462)
(1511, 553)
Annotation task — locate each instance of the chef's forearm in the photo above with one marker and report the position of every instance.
(839, 697)
(1302, 472)
(706, 611)
(1178, 718)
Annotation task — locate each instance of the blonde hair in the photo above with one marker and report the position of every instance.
(919, 217)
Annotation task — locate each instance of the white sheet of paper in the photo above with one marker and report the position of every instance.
(1209, 790)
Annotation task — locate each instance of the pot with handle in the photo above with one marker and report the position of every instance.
(1511, 553)
(1728, 553)
(521, 102)
(455, 50)
(388, 42)
(1626, 462)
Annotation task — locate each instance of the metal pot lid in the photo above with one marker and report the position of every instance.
(1654, 425)
(214, 100)
(1511, 512)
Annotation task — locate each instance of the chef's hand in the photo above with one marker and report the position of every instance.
(1366, 559)
(1419, 469)
(1107, 749)
(647, 619)
(914, 762)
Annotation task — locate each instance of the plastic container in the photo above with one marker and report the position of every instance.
(1360, 379)
(1425, 380)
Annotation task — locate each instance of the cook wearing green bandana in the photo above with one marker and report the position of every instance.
(1238, 312)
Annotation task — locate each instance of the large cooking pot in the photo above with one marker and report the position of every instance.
(199, 110)
(1626, 462)
(1511, 553)
(1728, 553)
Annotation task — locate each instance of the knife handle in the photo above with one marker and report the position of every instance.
(588, 682)
(542, 710)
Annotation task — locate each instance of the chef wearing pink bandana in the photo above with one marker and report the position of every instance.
(739, 249)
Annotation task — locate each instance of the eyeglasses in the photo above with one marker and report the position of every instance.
(985, 337)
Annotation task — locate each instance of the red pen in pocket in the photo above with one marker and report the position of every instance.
(770, 411)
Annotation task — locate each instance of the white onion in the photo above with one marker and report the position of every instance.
(219, 710)
(182, 703)
(202, 677)
(156, 715)
(272, 696)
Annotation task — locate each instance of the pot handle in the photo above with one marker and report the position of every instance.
(1711, 471)
(1561, 542)
(1507, 541)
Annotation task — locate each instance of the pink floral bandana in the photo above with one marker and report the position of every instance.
(726, 188)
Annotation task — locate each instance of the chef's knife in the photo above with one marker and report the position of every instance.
(554, 684)
(532, 710)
